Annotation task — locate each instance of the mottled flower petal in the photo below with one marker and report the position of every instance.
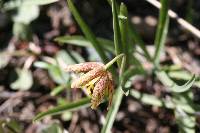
(83, 67)
(110, 93)
(99, 91)
(83, 80)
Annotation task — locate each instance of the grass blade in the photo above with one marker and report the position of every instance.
(136, 37)
(85, 102)
(123, 23)
(183, 75)
(57, 90)
(161, 32)
(162, 102)
(110, 118)
(82, 41)
(164, 78)
(155, 101)
(116, 29)
(87, 32)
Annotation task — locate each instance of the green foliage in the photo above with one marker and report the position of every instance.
(181, 98)
(52, 128)
(87, 32)
(82, 41)
(10, 126)
(85, 102)
(26, 12)
(55, 70)
(164, 78)
(123, 24)
(24, 80)
(161, 32)
(116, 30)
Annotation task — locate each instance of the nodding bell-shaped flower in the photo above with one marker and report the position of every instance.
(96, 79)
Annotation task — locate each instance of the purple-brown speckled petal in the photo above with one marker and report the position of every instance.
(83, 67)
(99, 91)
(110, 93)
(96, 72)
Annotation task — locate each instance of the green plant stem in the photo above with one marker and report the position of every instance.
(110, 118)
(87, 32)
(67, 107)
(109, 64)
(116, 28)
(123, 23)
(161, 32)
(89, 35)
(136, 36)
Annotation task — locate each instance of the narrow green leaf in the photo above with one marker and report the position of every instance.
(87, 32)
(110, 117)
(136, 37)
(123, 23)
(82, 41)
(183, 75)
(164, 78)
(185, 122)
(57, 90)
(162, 102)
(162, 30)
(145, 98)
(42, 64)
(116, 29)
(85, 102)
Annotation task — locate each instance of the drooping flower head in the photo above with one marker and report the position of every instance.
(96, 79)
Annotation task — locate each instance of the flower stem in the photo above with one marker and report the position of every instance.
(113, 61)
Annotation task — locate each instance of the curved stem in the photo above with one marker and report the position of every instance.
(113, 61)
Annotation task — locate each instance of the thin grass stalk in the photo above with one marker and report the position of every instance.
(123, 23)
(85, 102)
(116, 29)
(89, 35)
(161, 32)
(111, 115)
(110, 118)
(133, 33)
(87, 31)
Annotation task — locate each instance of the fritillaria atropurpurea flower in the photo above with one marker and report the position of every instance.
(96, 80)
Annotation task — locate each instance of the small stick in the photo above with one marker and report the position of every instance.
(181, 21)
